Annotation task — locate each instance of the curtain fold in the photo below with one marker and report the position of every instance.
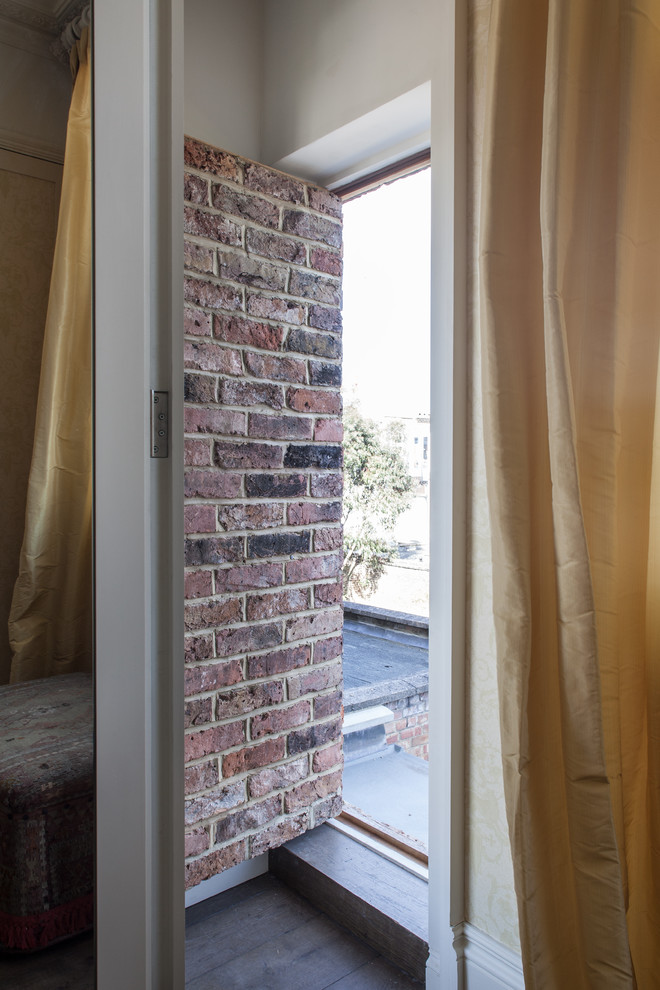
(570, 290)
(50, 622)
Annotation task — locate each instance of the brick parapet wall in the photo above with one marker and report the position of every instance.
(263, 484)
(410, 725)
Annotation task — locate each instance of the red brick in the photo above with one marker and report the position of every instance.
(211, 614)
(314, 680)
(197, 258)
(245, 699)
(250, 333)
(313, 568)
(276, 835)
(205, 356)
(327, 808)
(329, 429)
(212, 676)
(328, 704)
(199, 388)
(325, 318)
(276, 308)
(212, 484)
(275, 246)
(325, 261)
(309, 342)
(270, 751)
(324, 201)
(199, 518)
(330, 538)
(326, 485)
(221, 421)
(278, 543)
(245, 576)
(201, 292)
(323, 373)
(197, 453)
(198, 584)
(215, 862)
(312, 227)
(313, 625)
(229, 642)
(252, 271)
(278, 662)
(328, 649)
(198, 648)
(215, 740)
(247, 516)
(274, 605)
(272, 183)
(195, 189)
(211, 805)
(279, 719)
(313, 736)
(327, 594)
(231, 455)
(205, 158)
(251, 394)
(200, 223)
(212, 550)
(304, 513)
(324, 759)
(309, 285)
(277, 778)
(196, 842)
(276, 485)
(281, 369)
(246, 206)
(197, 712)
(309, 791)
(248, 818)
(196, 323)
(315, 401)
(279, 427)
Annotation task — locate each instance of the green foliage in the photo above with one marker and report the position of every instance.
(377, 489)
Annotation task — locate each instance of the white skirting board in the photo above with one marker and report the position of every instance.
(229, 878)
(482, 963)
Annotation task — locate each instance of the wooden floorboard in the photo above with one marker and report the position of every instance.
(269, 938)
(69, 965)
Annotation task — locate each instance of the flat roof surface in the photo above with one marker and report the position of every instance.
(381, 664)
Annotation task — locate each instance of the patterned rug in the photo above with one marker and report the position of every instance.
(46, 810)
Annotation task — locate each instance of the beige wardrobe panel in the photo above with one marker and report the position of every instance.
(29, 199)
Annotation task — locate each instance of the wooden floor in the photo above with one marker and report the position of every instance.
(66, 966)
(262, 936)
(259, 936)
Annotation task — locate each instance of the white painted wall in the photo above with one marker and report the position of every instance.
(223, 74)
(329, 62)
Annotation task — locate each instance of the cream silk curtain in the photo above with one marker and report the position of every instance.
(570, 314)
(50, 623)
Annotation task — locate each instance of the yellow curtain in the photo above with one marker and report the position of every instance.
(50, 622)
(570, 314)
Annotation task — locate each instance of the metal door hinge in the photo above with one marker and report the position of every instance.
(160, 423)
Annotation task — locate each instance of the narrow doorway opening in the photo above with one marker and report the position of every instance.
(387, 451)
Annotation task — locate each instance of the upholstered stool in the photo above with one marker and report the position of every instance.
(46, 810)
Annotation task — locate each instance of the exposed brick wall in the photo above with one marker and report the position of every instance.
(410, 725)
(262, 339)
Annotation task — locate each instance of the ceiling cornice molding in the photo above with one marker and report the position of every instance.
(29, 17)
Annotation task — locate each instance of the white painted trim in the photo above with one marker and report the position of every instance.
(487, 964)
(232, 877)
(138, 136)
(366, 718)
(448, 549)
(382, 848)
(33, 147)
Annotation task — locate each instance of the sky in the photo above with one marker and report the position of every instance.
(386, 283)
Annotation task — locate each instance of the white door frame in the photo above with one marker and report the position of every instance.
(448, 545)
(138, 59)
(138, 163)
